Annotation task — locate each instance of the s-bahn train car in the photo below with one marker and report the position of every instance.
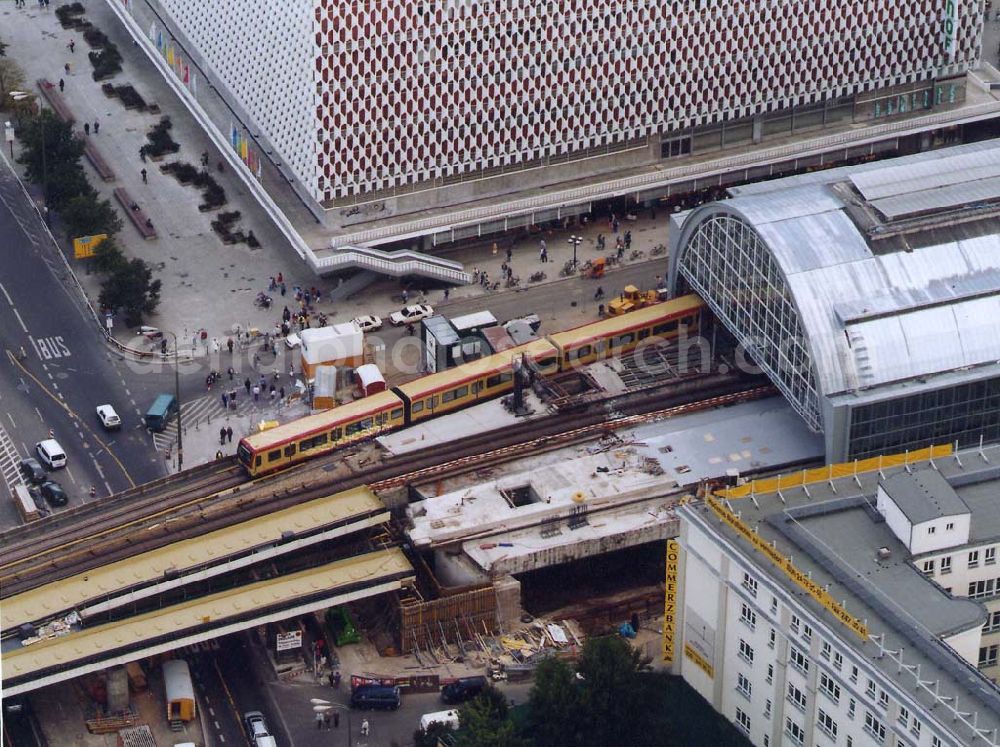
(471, 382)
(622, 334)
(318, 434)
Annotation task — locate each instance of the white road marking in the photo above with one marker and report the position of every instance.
(217, 727)
(128, 393)
(68, 472)
(39, 413)
(98, 468)
(106, 485)
(11, 417)
(212, 711)
(6, 294)
(19, 320)
(222, 737)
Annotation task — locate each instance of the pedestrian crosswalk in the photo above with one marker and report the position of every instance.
(194, 413)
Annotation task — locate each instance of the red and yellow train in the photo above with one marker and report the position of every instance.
(468, 384)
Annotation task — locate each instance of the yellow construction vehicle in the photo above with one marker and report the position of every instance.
(631, 299)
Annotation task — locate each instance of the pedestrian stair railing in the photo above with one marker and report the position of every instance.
(395, 264)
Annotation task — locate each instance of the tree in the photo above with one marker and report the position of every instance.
(554, 703)
(131, 288)
(485, 722)
(431, 736)
(11, 77)
(108, 256)
(87, 215)
(59, 170)
(609, 668)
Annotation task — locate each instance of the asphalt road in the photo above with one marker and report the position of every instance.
(67, 369)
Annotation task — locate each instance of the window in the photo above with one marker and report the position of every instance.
(273, 456)
(772, 638)
(774, 605)
(743, 685)
(829, 688)
(767, 708)
(870, 689)
(417, 407)
(988, 655)
(915, 728)
(794, 731)
(982, 588)
(850, 741)
(852, 707)
(989, 556)
(796, 697)
(795, 624)
(904, 716)
(798, 660)
(929, 567)
(770, 673)
(767, 741)
(742, 721)
(935, 741)
(838, 660)
(854, 674)
(290, 450)
(807, 632)
(931, 529)
(974, 559)
(946, 564)
(949, 526)
(827, 724)
(992, 622)
(750, 584)
(748, 616)
(396, 413)
(746, 651)
(874, 727)
(826, 650)
(883, 699)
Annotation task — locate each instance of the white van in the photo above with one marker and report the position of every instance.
(448, 718)
(50, 452)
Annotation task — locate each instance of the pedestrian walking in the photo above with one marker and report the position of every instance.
(274, 394)
(143, 172)
(222, 436)
(229, 344)
(97, 127)
(86, 129)
(230, 371)
(72, 46)
(510, 254)
(446, 292)
(364, 727)
(495, 248)
(326, 720)
(229, 434)
(62, 85)
(66, 68)
(405, 295)
(628, 239)
(336, 720)
(256, 393)
(225, 400)
(281, 393)
(204, 159)
(246, 385)
(319, 721)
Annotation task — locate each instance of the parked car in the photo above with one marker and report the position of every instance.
(463, 689)
(368, 322)
(410, 314)
(32, 471)
(53, 493)
(51, 453)
(108, 417)
(257, 729)
(376, 697)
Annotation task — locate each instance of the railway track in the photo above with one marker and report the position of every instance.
(155, 520)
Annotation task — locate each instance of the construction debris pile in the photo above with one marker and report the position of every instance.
(515, 655)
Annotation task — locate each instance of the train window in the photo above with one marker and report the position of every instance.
(624, 339)
(666, 328)
(290, 450)
(462, 391)
(256, 461)
(448, 396)
(582, 352)
(335, 434)
(397, 413)
(353, 428)
(417, 407)
(546, 363)
(599, 346)
(477, 387)
(493, 381)
(305, 444)
(432, 401)
(273, 456)
(643, 333)
(319, 440)
(366, 423)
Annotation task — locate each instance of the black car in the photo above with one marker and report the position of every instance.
(53, 493)
(462, 689)
(32, 470)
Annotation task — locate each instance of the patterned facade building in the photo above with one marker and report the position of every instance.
(361, 98)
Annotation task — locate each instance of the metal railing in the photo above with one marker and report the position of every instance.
(647, 180)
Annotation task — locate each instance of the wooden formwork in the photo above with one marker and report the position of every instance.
(429, 626)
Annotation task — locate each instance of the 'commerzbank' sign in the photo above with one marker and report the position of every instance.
(950, 24)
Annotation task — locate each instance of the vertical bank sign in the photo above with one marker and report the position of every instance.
(950, 26)
(670, 603)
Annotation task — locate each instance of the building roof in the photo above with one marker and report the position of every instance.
(923, 495)
(832, 535)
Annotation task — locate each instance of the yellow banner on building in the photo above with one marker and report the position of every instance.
(83, 247)
(703, 664)
(814, 590)
(670, 601)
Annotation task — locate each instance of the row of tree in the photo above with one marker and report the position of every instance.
(52, 156)
(610, 697)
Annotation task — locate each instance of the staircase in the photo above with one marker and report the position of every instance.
(354, 284)
(394, 264)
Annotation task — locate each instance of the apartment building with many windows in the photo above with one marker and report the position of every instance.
(803, 617)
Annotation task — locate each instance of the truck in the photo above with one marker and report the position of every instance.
(631, 299)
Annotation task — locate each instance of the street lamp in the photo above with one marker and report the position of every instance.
(322, 706)
(177, 396)
(8, 134)
(575, 241)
